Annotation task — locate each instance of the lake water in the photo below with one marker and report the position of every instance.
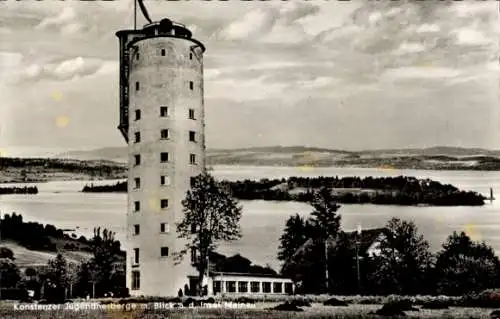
(63, 205)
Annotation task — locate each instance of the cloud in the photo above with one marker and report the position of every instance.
(253, 24)
(420, 73)
(67, 15)
(71, 69)
(470, 36)
(428, 28)
(410, 47)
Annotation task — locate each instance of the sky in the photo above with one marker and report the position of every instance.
(335, 74)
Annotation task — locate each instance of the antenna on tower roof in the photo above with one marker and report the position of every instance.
(144, 11)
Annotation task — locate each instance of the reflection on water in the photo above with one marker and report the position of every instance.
(61, 204)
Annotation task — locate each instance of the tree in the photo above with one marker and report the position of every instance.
(297, 231)
(325, 221)
(102, 264)
(56, 278)
(211, 215)
(404, 259)
(9, 274)
(464, 266)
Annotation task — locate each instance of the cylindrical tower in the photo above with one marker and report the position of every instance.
(162, 119)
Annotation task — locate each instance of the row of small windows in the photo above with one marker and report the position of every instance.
(138, 86)
(163, 253)
(164, 135)
(255, 287)
(164, 158)
(163, 52)
(163, 181)
(164, 113)
(164, 229)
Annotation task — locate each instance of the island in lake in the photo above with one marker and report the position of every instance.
(401, 190)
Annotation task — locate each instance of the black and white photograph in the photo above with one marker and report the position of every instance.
(249, 159)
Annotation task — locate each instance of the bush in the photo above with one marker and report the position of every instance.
(14, 294)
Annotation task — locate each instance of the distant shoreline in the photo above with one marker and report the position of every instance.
(52, 170)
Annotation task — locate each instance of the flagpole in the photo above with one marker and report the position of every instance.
(135, 14)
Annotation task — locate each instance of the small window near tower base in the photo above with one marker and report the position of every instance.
(136, 280)
(164, 251)
(190, 56)
(164, 180)
(164, 228)
(162, 52)
(164, 203)
(137, 86)
(191, 85)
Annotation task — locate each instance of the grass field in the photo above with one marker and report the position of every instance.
(258, 310)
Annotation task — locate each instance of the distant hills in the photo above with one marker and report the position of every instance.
(439, 157)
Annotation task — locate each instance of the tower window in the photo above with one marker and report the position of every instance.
(137, 229)
(162, 52)
(191, 114)
(164, 228)
(137, 206)
(137, 182)
(164, 157)
(136, 255)
(164, 134)
(136, 280)
(137, 115)
(193, 255)
(137, 159)
(137, 56)
(137, 137)
(191, 85)
(164, 111)
(164, 252)
(164, 180)
(137, 87)
(192, 158)
(192, 181)
(192, 136)
(190, 56)
(164, 203)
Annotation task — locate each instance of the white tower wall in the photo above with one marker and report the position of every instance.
(164, 81)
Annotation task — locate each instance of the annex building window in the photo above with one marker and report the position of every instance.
(137, 159)
(277, 287)
(137, 182)
(242, 286)
(192, 158)
(191, 85)
(137, 86)
(136, 280)
(137, 229)
(137, 115)
(137, 206)
(191, 114)
(137, 137)
(255, 286)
